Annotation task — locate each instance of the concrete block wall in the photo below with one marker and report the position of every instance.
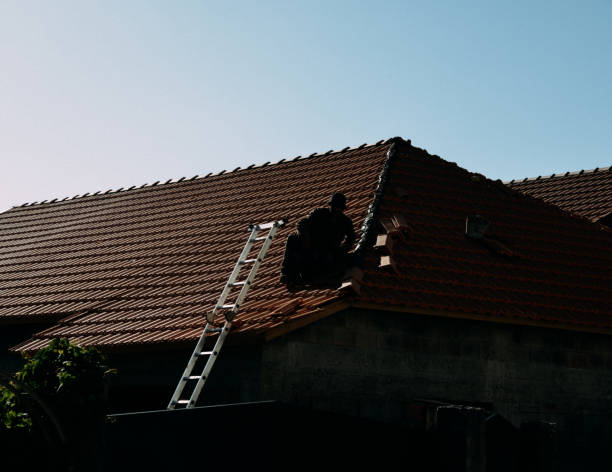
(385, 366)
(374, 364)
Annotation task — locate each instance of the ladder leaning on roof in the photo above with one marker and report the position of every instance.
(230, 312)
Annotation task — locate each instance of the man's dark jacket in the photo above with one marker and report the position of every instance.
(327, 229)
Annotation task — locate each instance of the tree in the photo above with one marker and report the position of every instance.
(60, 395)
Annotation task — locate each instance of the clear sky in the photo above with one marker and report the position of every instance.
(107, 94)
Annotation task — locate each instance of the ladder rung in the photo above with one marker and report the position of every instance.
(214, 330)
(205, 353)
(237, 284)
(249, 261)
(232, 309)
(278, 223)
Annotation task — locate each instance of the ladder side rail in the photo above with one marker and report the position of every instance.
(200, 344)
(187, 372)
(273, 227)
(236, 270)
(226, 328)
(209, 365)
(253, 272)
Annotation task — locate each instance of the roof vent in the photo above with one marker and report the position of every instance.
(476, 226)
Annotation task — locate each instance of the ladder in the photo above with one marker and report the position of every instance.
(229, 309)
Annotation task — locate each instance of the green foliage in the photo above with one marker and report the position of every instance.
(11, 415)
(65, 376)
(65, 369)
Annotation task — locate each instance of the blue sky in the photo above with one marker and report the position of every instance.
(107, 94)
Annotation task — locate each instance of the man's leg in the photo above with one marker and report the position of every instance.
(290, 270)
(342, 261)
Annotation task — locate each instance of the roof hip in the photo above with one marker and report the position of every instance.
(367, 229)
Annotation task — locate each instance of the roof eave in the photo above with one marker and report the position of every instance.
(480, 317)
(325, 312)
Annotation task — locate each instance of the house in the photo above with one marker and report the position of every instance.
(514, 317)
(587, 193)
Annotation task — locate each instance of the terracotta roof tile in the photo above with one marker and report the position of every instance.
(560, 271)
(585, 193)
(145, 265)
(142, 267)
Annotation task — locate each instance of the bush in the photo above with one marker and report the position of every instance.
(11, 415)
(65, 370)
(62, 374)
(59, 397)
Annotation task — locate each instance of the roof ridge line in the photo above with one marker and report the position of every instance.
(367, 227)
(563, 174)
(541, 201)
(210, 174)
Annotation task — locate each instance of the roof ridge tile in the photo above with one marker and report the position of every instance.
(564, 174)
(173, 258)
(210, 174)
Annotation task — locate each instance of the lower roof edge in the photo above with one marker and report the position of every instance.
(479, 317)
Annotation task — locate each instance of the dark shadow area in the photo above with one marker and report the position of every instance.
(264, 435)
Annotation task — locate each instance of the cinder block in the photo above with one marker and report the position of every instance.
(344, 336)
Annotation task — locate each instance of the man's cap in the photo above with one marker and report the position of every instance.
(338, 200)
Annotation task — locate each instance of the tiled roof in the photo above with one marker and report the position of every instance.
(141, 267)
(538, 266)
(145, 265)
(587, 193)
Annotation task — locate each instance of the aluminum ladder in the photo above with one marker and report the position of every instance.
(230, 310)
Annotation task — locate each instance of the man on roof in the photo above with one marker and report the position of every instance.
(320, 248)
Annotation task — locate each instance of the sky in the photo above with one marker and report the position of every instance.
(98, 95)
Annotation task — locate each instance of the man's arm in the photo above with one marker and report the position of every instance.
(304, 232)
(303, 226)
(349, 234)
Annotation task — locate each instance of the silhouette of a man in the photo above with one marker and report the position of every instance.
(320, 248)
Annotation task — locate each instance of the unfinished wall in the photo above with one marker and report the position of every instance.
(376, 364)
(373, 364)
